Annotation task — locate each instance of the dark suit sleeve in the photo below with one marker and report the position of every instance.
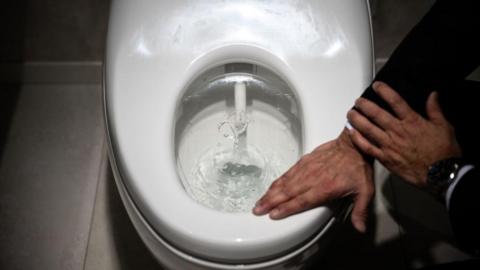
(439, 52)
(465, 210)
(442, 49)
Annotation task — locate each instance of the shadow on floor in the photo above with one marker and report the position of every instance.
(132, 252)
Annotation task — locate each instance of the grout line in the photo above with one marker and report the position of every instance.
(100, 177)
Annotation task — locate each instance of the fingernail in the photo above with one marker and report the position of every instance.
(275, 213)
(375, 84)
(258, 210)
(360, 226)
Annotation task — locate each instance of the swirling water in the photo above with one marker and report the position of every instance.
(232, 177)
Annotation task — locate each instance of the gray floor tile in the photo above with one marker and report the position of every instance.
(48, 176)
(114, 244)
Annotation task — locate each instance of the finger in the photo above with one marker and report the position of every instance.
(396, 102)
(366, 128)
(364, 145)
(271, 200)
(280, 191)
(273, 190)
(434, 111)
(297, 204)
(379, 116)
(360, 209)
(279, 184)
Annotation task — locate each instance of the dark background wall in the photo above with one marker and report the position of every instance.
(53, 30)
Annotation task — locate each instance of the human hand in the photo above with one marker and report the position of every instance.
(406, 144)
(333, 170)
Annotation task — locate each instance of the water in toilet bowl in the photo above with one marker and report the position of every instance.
(231, 178)
(229, 154)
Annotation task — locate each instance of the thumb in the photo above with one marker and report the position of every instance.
(434, 112)
(360, 211)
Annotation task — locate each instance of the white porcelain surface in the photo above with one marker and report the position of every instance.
(322, 48)
(172, 258)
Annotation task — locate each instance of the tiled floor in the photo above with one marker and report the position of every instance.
(113, 242)
(48, 176)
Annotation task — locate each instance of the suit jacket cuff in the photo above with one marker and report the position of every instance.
(451, 188)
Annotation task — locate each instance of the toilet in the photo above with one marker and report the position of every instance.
(207, 102)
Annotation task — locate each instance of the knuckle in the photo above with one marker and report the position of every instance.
(277, 183)
(375, 113)
(302, 202)
(289, 192)
(285, 209)
(271, 201)
(369, 149)
(395, 100)
(413, 118)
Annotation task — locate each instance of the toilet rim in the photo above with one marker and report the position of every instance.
(257, 238)
(143, 225)
(132, 209)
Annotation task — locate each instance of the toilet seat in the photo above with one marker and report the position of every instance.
(151, 61)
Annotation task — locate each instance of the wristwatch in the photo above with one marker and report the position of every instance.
(441, 174)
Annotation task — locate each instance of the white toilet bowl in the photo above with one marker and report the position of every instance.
(314, 58)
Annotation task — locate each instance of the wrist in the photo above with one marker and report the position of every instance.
(344, 140)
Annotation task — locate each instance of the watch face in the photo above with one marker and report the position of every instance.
(442, 173)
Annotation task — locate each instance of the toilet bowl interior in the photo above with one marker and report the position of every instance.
(238, 127)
